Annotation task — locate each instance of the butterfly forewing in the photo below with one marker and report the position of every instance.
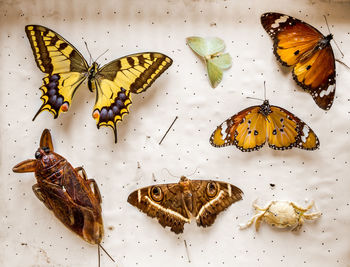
(63, 64)
(246, 130)
(302, 46)
(206, 46)
(169, 209)
(282, 129)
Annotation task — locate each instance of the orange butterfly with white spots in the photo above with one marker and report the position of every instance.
(308, 51)
(249, 129)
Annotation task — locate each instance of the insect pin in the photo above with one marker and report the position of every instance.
(73, 198)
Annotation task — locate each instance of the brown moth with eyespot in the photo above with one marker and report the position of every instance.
(174, 204)
(73, 198)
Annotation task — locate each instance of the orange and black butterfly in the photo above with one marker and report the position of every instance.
(308, 51)
(250, 128)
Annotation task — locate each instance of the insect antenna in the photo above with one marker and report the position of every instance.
(170, 173)
(342, 54)
(100, 246)
(249, 97)
(341, 62)
(101, 55)
(87, 48)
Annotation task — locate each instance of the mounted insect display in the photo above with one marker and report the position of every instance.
(301, 46)
(249, 129)
(210, 49)
(281, 214)
(173, 204)
(66, 69)
(73, 198)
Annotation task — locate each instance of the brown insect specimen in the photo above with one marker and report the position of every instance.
(74, 199)
(174, 204)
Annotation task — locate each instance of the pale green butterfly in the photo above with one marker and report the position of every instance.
(211, 50)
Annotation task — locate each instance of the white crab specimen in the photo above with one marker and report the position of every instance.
(281, 214)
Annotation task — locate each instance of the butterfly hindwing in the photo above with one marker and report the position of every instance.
(63, 64)
(317, 76)
(215, 67)
(308, 51)
(116, 80)
(249, 129)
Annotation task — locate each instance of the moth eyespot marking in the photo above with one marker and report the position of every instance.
(249, 132)
(256, 132)
(296, 52)
(156, 193)
(308, 67)
(212, 189)
(274, 132)
(281, 130)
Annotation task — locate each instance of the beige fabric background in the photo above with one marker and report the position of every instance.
(31, 236)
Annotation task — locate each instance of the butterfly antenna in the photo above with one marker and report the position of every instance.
(101, 54)
(342, 54)
(341, 62)
(100, 246)
(87, 48)
(265, 90)
(255, 98)
(325, 18)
